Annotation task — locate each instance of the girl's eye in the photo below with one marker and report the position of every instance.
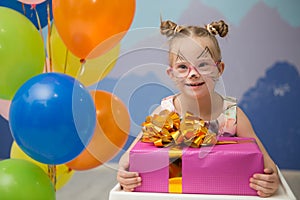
(182, 67)
(203, 64)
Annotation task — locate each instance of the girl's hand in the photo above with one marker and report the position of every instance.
(127, 180)
(266, 184)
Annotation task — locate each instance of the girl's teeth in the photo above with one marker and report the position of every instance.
(196, 84)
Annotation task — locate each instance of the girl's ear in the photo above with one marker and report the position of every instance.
(170, 73)
(221, 67)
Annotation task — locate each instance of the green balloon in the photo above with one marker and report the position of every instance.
(22, 180)
(22, 53)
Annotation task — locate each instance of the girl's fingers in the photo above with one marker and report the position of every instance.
(262, 194)
(268, 171)
(265, 184)
(126, 174)
(128, 180)
(130, 187)
(261, 190)
(265, 177)
(261, 183)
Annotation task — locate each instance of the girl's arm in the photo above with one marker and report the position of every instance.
(130, 180)
(266, 184)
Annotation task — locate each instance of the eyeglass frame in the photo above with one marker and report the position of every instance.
(190, 67)
(206, 49)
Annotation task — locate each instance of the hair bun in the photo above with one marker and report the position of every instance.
(218, 28)
(169, 28)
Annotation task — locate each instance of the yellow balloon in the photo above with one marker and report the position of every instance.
(63, 172)
(93, 70)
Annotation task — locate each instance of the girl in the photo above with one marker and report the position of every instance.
(195, 66)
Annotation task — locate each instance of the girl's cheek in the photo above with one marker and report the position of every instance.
(178, 81)
(212, 74)
(210, 80)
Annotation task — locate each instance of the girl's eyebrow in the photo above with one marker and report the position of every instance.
(206, 49)
(180, 56)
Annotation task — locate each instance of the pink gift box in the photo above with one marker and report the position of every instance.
(218, 169)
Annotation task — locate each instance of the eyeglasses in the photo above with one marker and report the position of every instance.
(204, 67)
(203, 64)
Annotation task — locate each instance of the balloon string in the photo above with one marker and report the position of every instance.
(66, 61)
(23, 7)
(82, 68)
(49, 35)
(38, 19)
(52, 174)
(33, 6)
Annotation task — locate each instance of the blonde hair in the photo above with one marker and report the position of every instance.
(172, 31)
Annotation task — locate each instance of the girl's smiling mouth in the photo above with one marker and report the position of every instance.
(195, 84)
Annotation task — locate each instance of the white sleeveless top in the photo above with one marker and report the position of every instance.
(224, 125)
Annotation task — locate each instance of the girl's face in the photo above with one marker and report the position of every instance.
(192, 66)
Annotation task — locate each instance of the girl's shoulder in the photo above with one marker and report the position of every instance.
(167, 103)
(230, 106)
(228, 119)
(229, 101)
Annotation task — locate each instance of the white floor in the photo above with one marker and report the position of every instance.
(95, 184)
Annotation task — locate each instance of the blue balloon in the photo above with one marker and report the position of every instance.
(52, 118)
(26, 10)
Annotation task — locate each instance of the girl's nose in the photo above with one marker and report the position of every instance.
(193, 73)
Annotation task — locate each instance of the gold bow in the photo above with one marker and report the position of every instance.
(166, 128)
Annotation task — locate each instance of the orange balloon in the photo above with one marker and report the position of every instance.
(89, 28)
(111, 132)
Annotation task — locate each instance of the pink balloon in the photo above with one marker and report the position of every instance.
(32, 1)
(4, 108)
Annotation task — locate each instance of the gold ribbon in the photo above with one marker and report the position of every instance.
(175, 169)
(166, 128)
